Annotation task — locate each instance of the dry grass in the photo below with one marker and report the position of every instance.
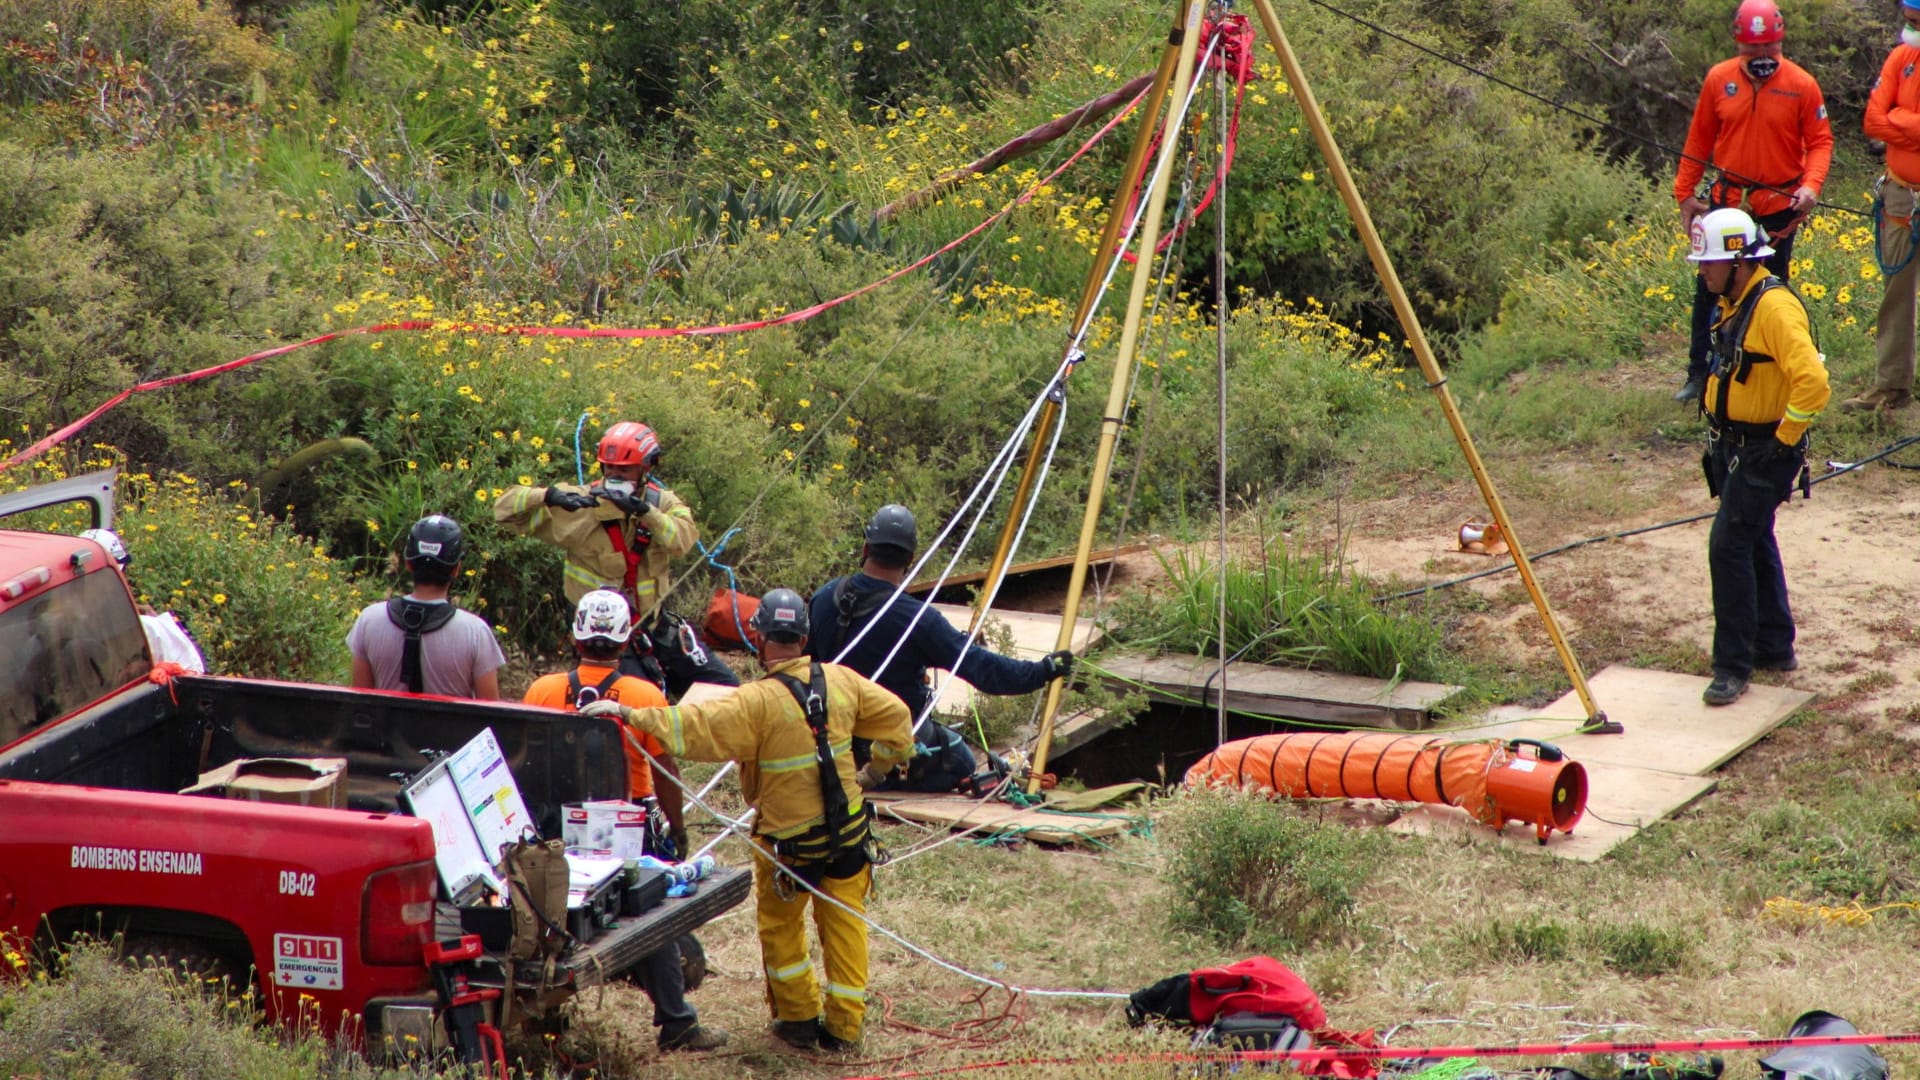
(1432, 955)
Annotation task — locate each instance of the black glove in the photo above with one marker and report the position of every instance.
(628, 504)
(1059, 664)
(569, 500)
(678, 837)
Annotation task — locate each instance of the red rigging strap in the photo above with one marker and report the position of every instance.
(1321, 1054)
(789, 318)
(1236, 59)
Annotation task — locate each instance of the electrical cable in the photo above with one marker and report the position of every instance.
(1837, 471)
(1679, 155)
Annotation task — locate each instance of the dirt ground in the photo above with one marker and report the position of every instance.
(1853, 573)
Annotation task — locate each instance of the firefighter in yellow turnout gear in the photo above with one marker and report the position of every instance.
(622, 534)
(797, 771)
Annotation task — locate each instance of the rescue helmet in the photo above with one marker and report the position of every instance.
(893, 525)
(1758, 22)
(110, 540)
(782, 617)
(1726, 233)
(435, 541)
(1910, 5)
(603, 613)
(630, 442)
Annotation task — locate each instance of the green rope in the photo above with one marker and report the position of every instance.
(1450, 1069)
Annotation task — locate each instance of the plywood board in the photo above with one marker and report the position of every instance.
(1621, 801)
(1668, 726)
(1095, 558)
(1318, 696)
(959, 813)
(1034, 636)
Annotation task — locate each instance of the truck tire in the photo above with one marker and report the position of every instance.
(189, 958)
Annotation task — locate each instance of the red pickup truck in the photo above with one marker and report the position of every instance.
(328, 911)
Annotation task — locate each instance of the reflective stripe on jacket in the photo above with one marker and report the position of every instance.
(763, 728)
(592, 560)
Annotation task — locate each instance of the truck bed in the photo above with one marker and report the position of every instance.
(621, 946)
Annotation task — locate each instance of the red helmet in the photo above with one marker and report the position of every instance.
(1758, 22)
(630, 443)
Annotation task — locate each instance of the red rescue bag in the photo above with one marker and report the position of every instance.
(729, 614)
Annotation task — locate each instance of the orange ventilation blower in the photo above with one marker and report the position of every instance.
(1492, 780)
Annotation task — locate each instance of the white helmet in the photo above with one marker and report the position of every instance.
(1727, 233)
(602, 613)
(106, 538)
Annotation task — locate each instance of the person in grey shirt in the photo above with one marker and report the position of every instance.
(421, 642)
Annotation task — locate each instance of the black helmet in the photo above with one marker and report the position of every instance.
(782, 617)
(436, 541)
(1823, 1062)
(893, 526)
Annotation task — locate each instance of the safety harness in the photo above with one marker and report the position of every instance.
(416, 618)
(854, 608)
(1733, 362)
(583, 695)
(839, 846)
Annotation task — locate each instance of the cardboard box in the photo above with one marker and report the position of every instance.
(612, 825)
(295, 781)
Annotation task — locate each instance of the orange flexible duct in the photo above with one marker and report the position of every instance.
(1489, 779)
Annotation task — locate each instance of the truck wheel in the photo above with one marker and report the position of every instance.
(188, 958)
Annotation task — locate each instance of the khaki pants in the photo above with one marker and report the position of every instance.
(791, 986)
(1893, 337)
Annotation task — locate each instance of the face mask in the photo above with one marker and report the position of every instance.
(1761, 67)
(1910, 36)
(617, 487)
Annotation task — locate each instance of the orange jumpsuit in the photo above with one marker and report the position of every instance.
(1774, 133)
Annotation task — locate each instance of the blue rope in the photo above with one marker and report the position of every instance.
(579, 470)
(733, 584)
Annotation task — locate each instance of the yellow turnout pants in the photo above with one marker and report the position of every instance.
(792, 989)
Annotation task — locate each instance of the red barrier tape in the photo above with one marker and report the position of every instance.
(1420, 1052)
(594, 332)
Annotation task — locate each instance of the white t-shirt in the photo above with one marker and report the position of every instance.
(452, 658)
(169, 643)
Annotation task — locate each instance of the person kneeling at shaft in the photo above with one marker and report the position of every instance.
(1767, 384)
(791, 734)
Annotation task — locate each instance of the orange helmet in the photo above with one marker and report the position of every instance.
(630, 443)
(1758, 22)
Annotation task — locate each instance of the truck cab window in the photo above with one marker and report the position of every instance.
(64, 648)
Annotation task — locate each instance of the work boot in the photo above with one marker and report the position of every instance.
(1790, 663)
(1725, 689)
(1878, 400)
(1692, 389)
(697, 1037)
(834, 1044)
(799, 1034)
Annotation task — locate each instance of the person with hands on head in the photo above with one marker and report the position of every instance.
(1761, 123)
(925, 639)
(1893, 118)
(623, 534)
(791, 734)
(1767, 384)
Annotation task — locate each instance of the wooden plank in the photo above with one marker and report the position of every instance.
(1034, 636)
(959, 813)
(1621, 801)
(1318, 696)
(1668, 726)
(1096, 558)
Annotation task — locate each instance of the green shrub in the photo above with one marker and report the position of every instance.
(1304, 610)
(1641, 950)
(1260, 875)
(1528, 939)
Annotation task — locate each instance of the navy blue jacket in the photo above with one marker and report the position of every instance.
(933, 643)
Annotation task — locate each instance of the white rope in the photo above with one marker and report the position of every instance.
(783, 868)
